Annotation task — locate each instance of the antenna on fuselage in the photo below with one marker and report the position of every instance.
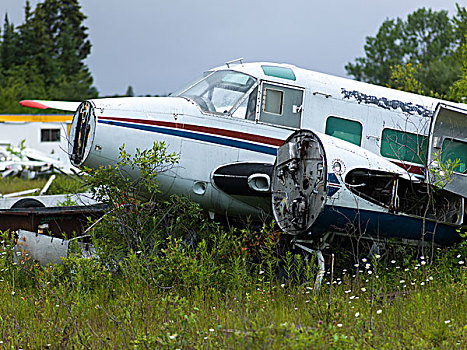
(239, 60)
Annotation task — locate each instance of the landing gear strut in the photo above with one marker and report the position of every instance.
(301, 243)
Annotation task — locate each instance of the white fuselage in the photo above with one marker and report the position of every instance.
(242, 114)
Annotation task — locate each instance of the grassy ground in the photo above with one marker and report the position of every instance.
(150, 289)
(61, 185)
(83, 305)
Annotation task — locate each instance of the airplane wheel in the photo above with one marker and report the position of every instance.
(28, 203)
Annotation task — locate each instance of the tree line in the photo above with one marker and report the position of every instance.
(44, 58)
(426, 53)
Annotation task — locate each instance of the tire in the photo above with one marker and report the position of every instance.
(28, 203)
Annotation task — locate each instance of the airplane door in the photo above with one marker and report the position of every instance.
(281, 105)
(448, 141)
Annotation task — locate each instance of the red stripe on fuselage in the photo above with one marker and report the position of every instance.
(235, 134)
(413, 169)
(204, 129)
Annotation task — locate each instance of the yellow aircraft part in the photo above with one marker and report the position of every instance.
(45, 118)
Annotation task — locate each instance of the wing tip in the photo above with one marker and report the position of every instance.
(33, 104)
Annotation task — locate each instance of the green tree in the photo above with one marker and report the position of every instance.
(427, 40)
(44, 58)
(21, 83)
(458, 91)
(8, 50)
(129, 91)
(405, 78)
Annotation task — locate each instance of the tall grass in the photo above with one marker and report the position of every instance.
(191, 300)
(167, 277)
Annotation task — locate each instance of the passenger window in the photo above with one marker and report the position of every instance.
(272, 101)
(344, 129)
(455, 150)
(404, 146)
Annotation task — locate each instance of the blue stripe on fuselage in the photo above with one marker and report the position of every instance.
(195, 136)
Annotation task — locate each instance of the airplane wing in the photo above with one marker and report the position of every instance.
(36, 155)
(42, 104)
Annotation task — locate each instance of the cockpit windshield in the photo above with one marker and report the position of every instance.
(220, 91)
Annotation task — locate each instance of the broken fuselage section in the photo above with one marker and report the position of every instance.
(315, 191)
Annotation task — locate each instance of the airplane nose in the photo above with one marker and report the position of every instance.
(82, 132)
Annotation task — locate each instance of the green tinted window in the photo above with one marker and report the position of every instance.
(455, 150)
(344, 129)
(279, 72)
(404, 146)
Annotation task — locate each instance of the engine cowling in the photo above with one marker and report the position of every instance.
(299, 182)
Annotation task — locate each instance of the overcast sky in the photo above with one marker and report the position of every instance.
(159, 46)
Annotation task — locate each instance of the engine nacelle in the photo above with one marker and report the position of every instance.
(299, 182)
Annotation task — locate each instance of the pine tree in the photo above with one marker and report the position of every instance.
(8, 50)
(44, 58)
(129, 91)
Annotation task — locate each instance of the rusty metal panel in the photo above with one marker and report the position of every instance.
(55, 221)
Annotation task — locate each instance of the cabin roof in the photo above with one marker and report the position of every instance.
(335, 86)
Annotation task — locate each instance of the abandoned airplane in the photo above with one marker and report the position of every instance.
(321, 153)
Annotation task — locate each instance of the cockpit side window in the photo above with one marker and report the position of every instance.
(220, 91)
(247, 109)
(251, 108)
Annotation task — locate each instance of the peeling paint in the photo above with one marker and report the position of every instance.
(386, 103)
